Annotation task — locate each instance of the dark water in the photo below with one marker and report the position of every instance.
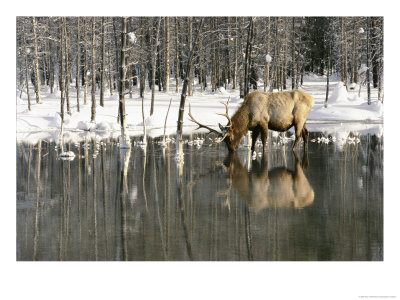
(108, 204)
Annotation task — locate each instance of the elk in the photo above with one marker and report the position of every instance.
(261, 111)
(276, 188)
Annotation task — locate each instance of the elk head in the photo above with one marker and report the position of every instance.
(226, 133)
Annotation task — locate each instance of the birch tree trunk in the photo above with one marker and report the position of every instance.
(36, 60)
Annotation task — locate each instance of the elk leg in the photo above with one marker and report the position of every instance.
(254, 137)
(298, 132)
(264, 135)
(304, 134)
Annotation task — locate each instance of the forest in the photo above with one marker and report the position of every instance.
(85, 56)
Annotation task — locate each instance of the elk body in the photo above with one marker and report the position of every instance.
(276, 188)
(261, 111)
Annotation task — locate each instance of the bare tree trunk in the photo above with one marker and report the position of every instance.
(267, 58)
(67, 65)
(142, 61)
(78, 65)
(51, 63)
(243, 58)
(185, 84)
(103, 62)
(93, 111)
(176, 55)
(167, 54)
(86, 65)
(117, 58)
(110, 73)
(36, 59)
(26, 69)
(122, 77)
(328, 64)
(235, 69)
(375, 52)
(344, 53)
(248, 57)
(355, 53)
(227, 54)
(191, 69)
(380, 86)
(286, 42)
(61, 71)
(293, 53)
(368, 64)
(153, 77)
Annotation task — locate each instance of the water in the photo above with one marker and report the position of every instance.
(109, 204)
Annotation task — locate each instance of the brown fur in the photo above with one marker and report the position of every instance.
(262, 111)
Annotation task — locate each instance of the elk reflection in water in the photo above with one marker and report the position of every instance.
(276, 188)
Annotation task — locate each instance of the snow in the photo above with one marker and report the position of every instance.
(345, 111)
(132, 37)
(268, 58)
(339, 94)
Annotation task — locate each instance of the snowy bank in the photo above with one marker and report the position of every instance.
(44, 122)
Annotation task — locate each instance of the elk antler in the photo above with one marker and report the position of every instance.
(226, 113)
(200, 125)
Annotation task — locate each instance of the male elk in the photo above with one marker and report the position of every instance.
(262, 111)
(276, 188)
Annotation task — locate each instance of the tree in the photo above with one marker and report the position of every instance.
(167, 54)
(186, 82)
(248, 57)
(78, 64)
(122, 79)
(93, 110)
(36, 58)
(26, 67)
(103, 61)
(153, 77)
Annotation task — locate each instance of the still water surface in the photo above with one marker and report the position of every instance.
(142, 205)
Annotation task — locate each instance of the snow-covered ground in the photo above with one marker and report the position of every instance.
(346, 112)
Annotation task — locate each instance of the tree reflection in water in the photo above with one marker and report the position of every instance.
(109, 204)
